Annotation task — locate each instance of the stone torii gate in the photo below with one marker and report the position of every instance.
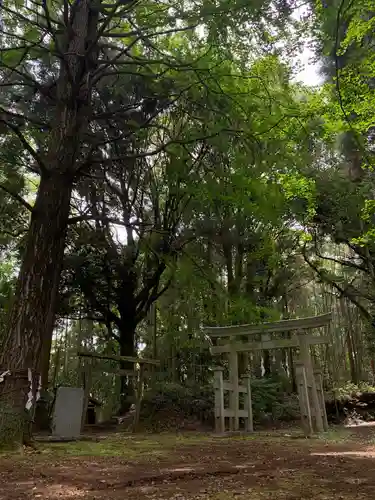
(309, 378)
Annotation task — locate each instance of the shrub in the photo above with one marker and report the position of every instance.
(268, 397)
(192, 400)
(270, 400)
(348, 390)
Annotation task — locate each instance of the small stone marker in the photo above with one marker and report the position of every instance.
(67, 415)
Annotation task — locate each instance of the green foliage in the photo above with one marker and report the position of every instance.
(270, 400)
(206, 131)
(14, 186)
(301, 188)
(340, 204)
(164, 400)
(7, 282)
(357, 96)
(199, 156)
(345, 30)
(189, 400)
(349, 390)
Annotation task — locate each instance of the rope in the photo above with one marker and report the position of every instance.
(3, 375)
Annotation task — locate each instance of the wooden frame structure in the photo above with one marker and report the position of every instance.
(136, 374)
(309, 379)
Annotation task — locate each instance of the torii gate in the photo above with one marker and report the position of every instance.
(309, 380)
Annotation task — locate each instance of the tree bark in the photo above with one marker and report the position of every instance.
(45, 361)
(33, 311)
(153, 331)
(127, 348)
(41, 417)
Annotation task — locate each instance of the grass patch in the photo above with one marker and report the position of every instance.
(336, 435)
(130, 447)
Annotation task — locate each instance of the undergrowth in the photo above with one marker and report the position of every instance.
(181, 404)
(348, 390)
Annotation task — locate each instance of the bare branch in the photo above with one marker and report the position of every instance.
(343, 291)
(89, 217)
(346, 263)
(19, 117)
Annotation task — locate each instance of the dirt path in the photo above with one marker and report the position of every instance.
(213, 469)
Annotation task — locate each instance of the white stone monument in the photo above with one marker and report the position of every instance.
(67, 415)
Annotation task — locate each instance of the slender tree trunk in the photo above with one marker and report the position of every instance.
(153, 329)
(127, 348)
(347, 324)
(352, 365)
(45, 361)
(66, 349)
(288, 353)
(56, 365)
(41, 417)
(175, 368)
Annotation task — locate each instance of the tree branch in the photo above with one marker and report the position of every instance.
(341, 262)
(343, 291)
(90, 217)
(17, 197)
(25, 144)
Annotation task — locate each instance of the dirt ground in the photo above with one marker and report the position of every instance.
(279, 465)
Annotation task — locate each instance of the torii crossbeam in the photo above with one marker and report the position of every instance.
(309, 380)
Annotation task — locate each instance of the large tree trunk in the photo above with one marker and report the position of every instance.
(32, 315)
(33, 311)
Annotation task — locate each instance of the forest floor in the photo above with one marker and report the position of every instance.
(266, 465)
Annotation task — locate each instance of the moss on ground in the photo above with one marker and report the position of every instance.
(135, 447)
(120, 445)
(156, 445)
(279, 465)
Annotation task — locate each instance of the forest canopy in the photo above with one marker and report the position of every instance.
(163, 167)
